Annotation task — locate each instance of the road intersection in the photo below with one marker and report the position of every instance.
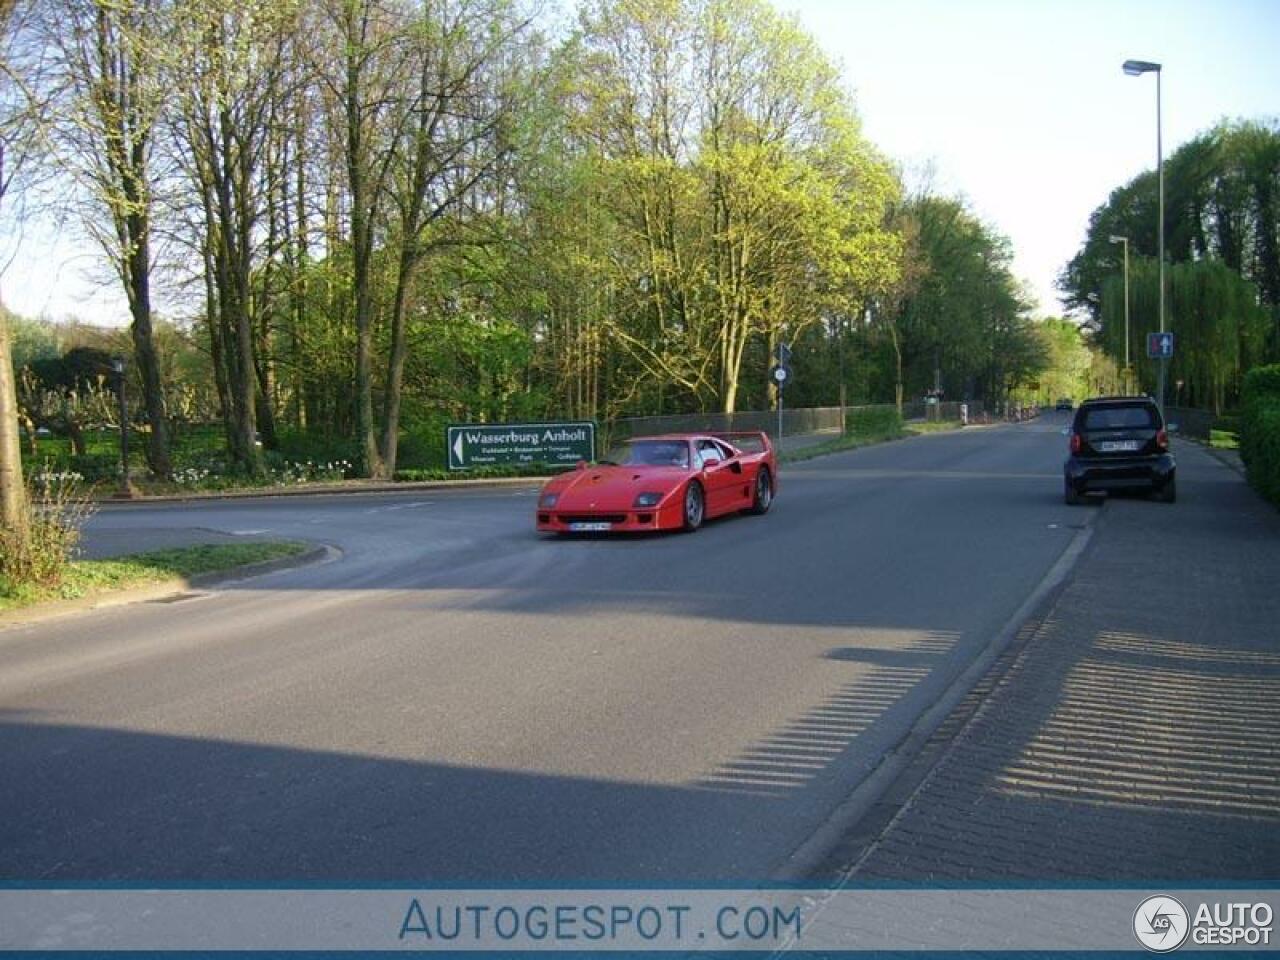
(457, 699)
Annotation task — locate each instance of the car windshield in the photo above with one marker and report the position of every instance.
(1119, 418)
(650, 453)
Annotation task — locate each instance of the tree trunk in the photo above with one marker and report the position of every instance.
(13, 500)
(152, 393)
(362, 215)
(395, 370)
(138, 271)
(76, 435)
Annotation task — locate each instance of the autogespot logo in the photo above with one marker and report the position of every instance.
(1161, 924)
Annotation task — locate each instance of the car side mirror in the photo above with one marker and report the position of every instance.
(735, 466)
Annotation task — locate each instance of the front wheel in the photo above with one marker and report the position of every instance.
(763, 496)
(694, 506)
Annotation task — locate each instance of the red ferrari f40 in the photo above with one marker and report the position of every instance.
(671, 482)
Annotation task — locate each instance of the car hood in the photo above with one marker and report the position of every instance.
(612, 488)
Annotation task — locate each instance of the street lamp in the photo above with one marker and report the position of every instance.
(1125, 241)
(1136, 68)
(117, 367)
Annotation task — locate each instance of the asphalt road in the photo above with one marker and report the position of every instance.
(460, 699)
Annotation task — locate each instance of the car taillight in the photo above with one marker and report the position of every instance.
(1162, 439)
(1076, 443)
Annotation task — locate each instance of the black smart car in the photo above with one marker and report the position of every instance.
(1119, 443)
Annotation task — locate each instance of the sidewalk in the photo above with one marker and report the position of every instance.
(1134, 734)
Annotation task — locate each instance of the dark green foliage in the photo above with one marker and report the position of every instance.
(1222, 248)
(478, 473)
(301, 446)
(95, 467)
(1220, 328)
(873, 422)
(1260, 430)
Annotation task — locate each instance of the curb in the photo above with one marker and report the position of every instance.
(798, 455)
(392, 487)
(309, 491)
(1224, 457)
(802, 863)
(56, 609)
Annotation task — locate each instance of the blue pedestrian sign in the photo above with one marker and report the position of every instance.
(1160, 345)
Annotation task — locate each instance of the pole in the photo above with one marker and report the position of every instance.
(1164, 362)
(125, 489)
(779, 417)
(1128, 375)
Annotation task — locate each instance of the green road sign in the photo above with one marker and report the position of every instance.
(488, 444)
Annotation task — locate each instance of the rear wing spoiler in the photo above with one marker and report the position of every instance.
(748, 441)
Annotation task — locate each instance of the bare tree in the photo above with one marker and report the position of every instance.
(461, 110)
(226, 83)
(110, 56)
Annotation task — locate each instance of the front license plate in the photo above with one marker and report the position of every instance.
(589, 527)
(1116, 446)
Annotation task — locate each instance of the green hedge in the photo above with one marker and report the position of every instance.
(873, 422)
(477, 473)
(1260, 430)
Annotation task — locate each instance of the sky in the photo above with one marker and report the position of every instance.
(1020, 106)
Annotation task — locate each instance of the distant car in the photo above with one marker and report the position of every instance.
(1119, 443)
(1065, 404)
(671, 482)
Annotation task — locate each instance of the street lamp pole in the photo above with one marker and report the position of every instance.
(1135, 68)
(1125, 242)
(126, 488)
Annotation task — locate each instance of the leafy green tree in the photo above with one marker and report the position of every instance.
(1220, 215)
(1220, 327)
(1067, 361)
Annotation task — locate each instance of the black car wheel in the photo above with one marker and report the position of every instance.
(1168, 493)
(1069, 494)
(694, 506)
(763, 497)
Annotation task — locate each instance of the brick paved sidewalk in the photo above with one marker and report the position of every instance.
(1135, 735)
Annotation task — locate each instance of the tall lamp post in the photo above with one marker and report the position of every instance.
(1136, 68)
(126, 488)
(1125, 242)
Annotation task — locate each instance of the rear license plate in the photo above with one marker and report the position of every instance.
(589, 527)
(1116, 446)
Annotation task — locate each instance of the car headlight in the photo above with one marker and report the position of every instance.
(648, 499)
(548, 500)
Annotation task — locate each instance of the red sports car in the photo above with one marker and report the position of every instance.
(671, 482)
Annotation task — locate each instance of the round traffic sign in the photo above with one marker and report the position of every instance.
(780, 375)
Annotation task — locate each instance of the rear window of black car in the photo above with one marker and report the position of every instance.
(1133, 416)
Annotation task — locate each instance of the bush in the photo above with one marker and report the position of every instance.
(36, 553)
(478, 473)
(1260, 430)
(882, 421)
(96, 467)
(302, 446)
(422, 450)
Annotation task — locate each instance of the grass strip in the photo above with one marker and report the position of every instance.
(853, 441)
(87, 578)
(1224, 440)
